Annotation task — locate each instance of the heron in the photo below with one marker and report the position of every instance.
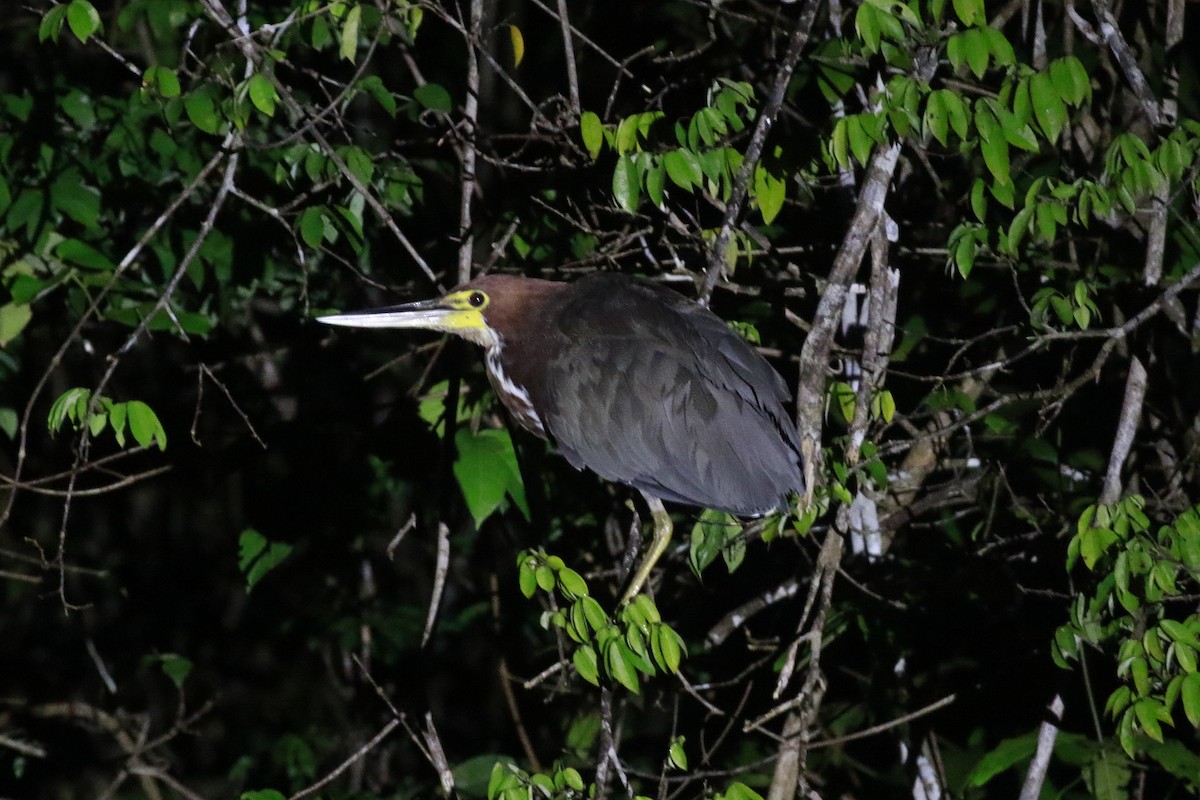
(631, 380)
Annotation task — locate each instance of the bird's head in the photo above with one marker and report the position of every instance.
(483, 311)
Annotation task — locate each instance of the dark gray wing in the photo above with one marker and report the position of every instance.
(651, 390)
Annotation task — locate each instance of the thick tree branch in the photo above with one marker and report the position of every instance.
(814, 357)
(1111, 32)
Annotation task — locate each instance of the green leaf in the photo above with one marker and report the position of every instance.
(936, 119)
(887, 405)
(52, 23)
(655, 180)
(74, 198)
(683, 168)
(1003, 757)
(83, 254)
(433, 96)
(82, 19)
(625, 138)
(586, 664)
(860, 139)
(359, 162)
(175, 667)
(68, 406)
(487, 472)
(250, 545)
(844, 396)
(1070, 80)
(1001, 49)
(1048, 107)
(592, 133)
(202, 112)
(1148, 713)
(867, 26)
(956, 112)
(572, 583)
(625, 185)
(162, 80)
(769, 193)
(956, 50)
(374, 86)
(676, 755)
(969, 11)
(839, 144)
(975, 48)
(618, 666)
(1108, 776)
(144, 425)
(527, 578)
(349, 41)
(993, 143)
(670, 648)
(1180, 633)
(257, 556)
(1189, 694)
(262, 794)
(710, 535)
(740, 791)
(312, 225)
(13, 319)
(262, 93)
(597, 620)
(978, 200)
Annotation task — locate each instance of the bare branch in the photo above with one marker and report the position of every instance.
(439, 581)
(1047, 734)
(345, 765)
(569, 53)
(1128, 62)
(766, 118)
(468, 187)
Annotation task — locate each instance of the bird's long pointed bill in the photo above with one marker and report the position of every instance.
(425, 314)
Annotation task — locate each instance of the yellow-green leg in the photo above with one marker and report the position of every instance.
(658, 546)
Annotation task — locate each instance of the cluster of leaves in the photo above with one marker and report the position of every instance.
(701, 158)
(510, 782)
(96, 412)
(257, 555)
(1133, 173)
(1139, 571)
(87, 164)
(637, 641)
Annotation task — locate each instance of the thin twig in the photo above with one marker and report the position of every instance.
(569, 52)
(467, 185)
(439, 581)
(766, 118)
(345, 765)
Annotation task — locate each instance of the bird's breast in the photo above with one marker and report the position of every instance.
(514, 396)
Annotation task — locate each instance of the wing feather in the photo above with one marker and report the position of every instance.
(653, 391)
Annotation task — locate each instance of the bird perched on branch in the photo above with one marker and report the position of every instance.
(631, 380)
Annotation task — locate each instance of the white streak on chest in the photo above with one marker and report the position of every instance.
(516, 397)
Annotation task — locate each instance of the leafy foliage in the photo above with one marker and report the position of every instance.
(185, 183)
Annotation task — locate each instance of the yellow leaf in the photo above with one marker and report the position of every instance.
(518, 44)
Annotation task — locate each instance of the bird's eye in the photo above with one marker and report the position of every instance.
(476, 299)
